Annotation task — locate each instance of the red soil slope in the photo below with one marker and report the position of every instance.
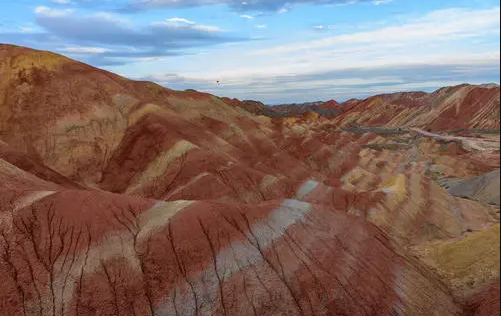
(31, 165)
(77, 252)
(486, 302)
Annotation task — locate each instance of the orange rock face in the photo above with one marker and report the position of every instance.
(125, 198)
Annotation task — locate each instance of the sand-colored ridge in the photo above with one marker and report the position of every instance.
(158, 166)
(468, 262)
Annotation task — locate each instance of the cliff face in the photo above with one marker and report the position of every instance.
(125, 198)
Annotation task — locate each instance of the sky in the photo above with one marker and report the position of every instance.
(274, 51)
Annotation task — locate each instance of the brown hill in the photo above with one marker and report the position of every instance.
(328, 109)
(460, 107)
(485, 302)
(125, 198)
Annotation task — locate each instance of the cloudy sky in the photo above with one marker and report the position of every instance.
(275, 51)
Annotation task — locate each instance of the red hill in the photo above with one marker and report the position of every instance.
(126, 198)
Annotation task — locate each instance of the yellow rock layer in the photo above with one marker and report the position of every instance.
(158, 166)
(469, 262)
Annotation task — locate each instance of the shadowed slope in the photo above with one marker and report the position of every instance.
(484, 188)
(30, 165)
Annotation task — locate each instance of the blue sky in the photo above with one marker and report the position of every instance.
(275, 51)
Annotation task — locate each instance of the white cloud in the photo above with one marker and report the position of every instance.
(110, 17)
(25, 29)
(318, 27)
(378, 2)
(207, 28)
(261, 6)
(343, 4)
(103, 39)
(261, 26)
(341, 84)
(174, 25)
(62, 2)
(86, 50)
(262, 71)
(180, 20)
(444, 25)
(49, 12)
(185, 23)
(245, 16)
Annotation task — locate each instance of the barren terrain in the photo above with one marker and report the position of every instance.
(126, 198)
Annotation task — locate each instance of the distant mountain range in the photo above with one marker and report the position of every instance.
(329, 109)
(438, 109)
